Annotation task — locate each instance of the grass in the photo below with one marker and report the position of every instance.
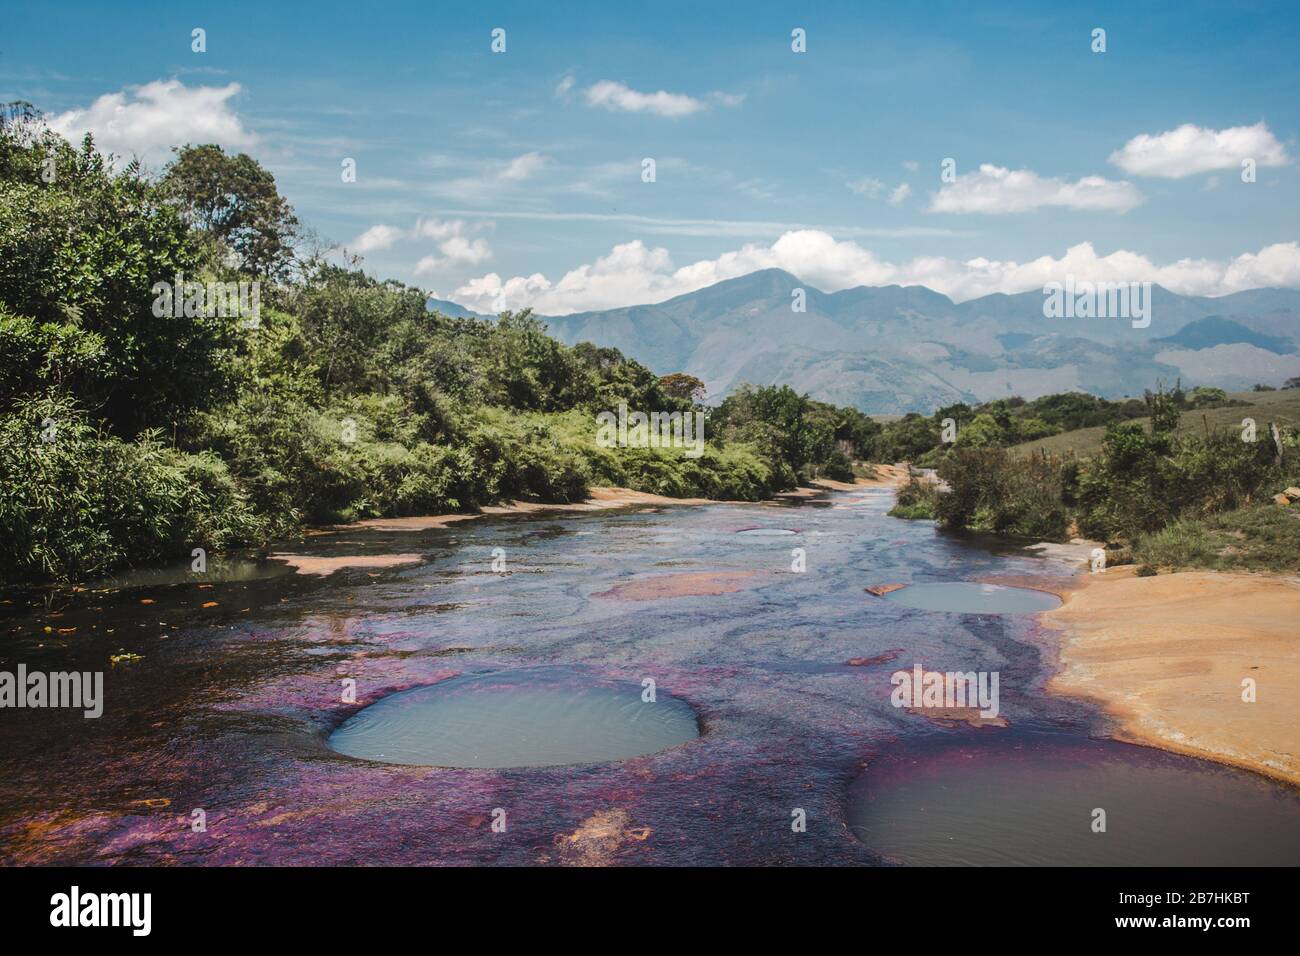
(1281, 406)
(1262, 537)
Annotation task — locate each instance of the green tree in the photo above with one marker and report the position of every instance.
(236, 204)
(81, 247)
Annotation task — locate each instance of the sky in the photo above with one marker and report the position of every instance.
(519, 178)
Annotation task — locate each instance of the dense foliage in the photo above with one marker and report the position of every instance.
(1010, 421)
(1153, 488)
(135, 426)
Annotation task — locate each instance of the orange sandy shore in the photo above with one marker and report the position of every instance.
(1167, 656)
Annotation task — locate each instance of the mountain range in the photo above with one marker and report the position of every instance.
(895, 349)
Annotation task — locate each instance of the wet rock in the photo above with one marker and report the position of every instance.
(598, 839)
(880, 590)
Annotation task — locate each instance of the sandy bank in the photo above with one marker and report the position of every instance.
(1167, 657)
(603, 499)
(598, 499)
(311, 564)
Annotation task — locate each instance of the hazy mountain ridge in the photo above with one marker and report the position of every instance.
(890, 349)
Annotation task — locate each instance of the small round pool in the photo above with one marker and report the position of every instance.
(533, 717)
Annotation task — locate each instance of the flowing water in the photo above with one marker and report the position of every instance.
(643, 686)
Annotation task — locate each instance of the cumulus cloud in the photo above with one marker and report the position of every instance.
(634, 273)
(1193, 149)
(996, 189)
(900, 194)
(523, 167)
(562, 88)
(456, 251)
(451, 236)
(617, 96)
(377, 237)
(147, 121)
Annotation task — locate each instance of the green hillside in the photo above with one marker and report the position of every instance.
(1282, 406)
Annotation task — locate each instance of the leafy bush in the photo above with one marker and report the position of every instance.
(1144, 480)
(990, 490)
(84, 501)
(917, 499)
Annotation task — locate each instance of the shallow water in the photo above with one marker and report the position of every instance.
(1036, 803)
(526, 717)
(966, 597)
(240, 684)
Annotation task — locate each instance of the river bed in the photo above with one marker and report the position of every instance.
(220, 737)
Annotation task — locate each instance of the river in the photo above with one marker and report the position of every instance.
(238, 733)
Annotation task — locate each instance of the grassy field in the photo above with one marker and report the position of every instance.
(1256, 538)
(1282, 406)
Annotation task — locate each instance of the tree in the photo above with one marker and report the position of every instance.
(681, 385)
(235, 201)
(79, 254)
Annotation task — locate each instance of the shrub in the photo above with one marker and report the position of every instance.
(84, 501)
(917, 499)
(990, 490)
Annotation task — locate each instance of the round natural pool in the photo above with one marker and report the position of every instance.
(531, 717)
(1036, 802)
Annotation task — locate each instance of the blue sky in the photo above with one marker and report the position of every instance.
(526, 165)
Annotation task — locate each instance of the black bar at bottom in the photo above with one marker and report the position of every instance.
(944, 906)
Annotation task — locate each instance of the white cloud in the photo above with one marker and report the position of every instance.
(377, 237)
(564, 86)
(1191, 149)
(996, 189)
(147, 121)
(438, 228)
(911, 165)
(900, 194)
(634, 273)
(523, 167)
(616, 96)
(456, 251)
(452, 237)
